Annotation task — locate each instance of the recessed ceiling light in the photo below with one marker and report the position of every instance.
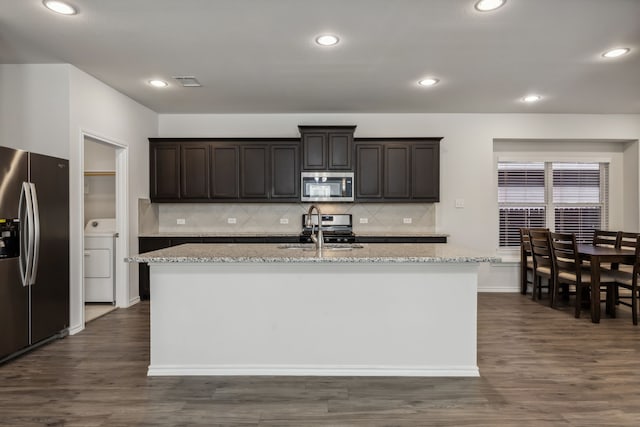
(327, 40)
(428, 81)
(614, 53)
(532, 98)
(489, 5)
(60, 7)
(158, 83)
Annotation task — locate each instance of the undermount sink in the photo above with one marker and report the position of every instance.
(326, 246)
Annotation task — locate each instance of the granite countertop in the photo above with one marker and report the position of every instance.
(274, 253)
(271, 234)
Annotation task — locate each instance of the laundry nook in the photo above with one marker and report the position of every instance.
(99, 266)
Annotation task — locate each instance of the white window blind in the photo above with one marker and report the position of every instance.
(521, 196)
(565, 197)
(580, 195)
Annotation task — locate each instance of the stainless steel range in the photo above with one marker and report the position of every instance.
(337, 228)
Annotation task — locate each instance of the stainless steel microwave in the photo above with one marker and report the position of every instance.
(327, 187)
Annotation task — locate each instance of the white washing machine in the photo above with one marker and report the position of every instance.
(99, 260)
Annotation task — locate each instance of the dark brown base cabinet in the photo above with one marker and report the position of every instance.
(397, 170)
(224, 170)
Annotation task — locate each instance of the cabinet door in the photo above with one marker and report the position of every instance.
(148, 244)
(425, 182)
(369, 175)
(254, 183)
(314, 148)
(285, 172)
(396, 171)
(164, 169)
(194, 171)
(225, 172)
(340, 149)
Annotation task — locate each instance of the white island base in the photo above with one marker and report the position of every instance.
(353, 319)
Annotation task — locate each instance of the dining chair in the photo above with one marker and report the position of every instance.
(570, 271)
(629, 280)
(605, 238)
(627, 241)
(526, 259)
(542, 261)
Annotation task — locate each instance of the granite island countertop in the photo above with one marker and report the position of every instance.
(280, 234)
(279, 253)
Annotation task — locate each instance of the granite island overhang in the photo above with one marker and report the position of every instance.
(264, 309)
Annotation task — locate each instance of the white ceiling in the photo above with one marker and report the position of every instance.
(258, 56)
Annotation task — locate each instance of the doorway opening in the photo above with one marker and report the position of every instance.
(103, 215)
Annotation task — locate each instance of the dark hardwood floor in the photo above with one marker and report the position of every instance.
(538, 366)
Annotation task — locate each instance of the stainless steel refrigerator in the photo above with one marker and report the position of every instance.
(34, 250)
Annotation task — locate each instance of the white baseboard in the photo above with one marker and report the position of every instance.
(329, 371)
(75, 329)
(133, 301)
(503, 289)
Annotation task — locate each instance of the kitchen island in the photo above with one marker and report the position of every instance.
(267, 309)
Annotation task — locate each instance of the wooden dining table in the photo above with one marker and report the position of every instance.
(597, 255)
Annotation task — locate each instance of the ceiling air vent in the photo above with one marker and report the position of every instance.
(187, 81)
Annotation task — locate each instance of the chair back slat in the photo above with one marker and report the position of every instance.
(606, 238)
(628, 240)
(525, 243)
(541, 248)
(565, 252)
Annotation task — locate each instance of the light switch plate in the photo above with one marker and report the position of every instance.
(459, 203)
(364, 220)
(231, 220)
(407, 220)
(181, 221)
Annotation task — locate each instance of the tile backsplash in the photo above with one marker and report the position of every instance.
(286, 218)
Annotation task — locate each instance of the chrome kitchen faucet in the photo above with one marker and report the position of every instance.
(319, 238)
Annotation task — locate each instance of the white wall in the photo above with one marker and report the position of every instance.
(34, 108)
(466, 164)
(99, 157)
(631, 181)
(99, 190)
(106, 114)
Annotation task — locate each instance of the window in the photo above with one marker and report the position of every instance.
(564, 197)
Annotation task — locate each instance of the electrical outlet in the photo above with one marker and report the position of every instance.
(231, 220)
(459, 203)
(181, 221)
(407, 220)
(284, 220)
(364, 220)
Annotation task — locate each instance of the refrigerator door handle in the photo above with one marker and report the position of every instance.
(26, 233)
(36, 235)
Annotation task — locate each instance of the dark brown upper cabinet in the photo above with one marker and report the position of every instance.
(164, 171)
(225, 171)
(285, 172)
(425, 176)
(369, 171)
(327, 147)
(254, 176)
(194, 171)
(399, 169)
(387, 170)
